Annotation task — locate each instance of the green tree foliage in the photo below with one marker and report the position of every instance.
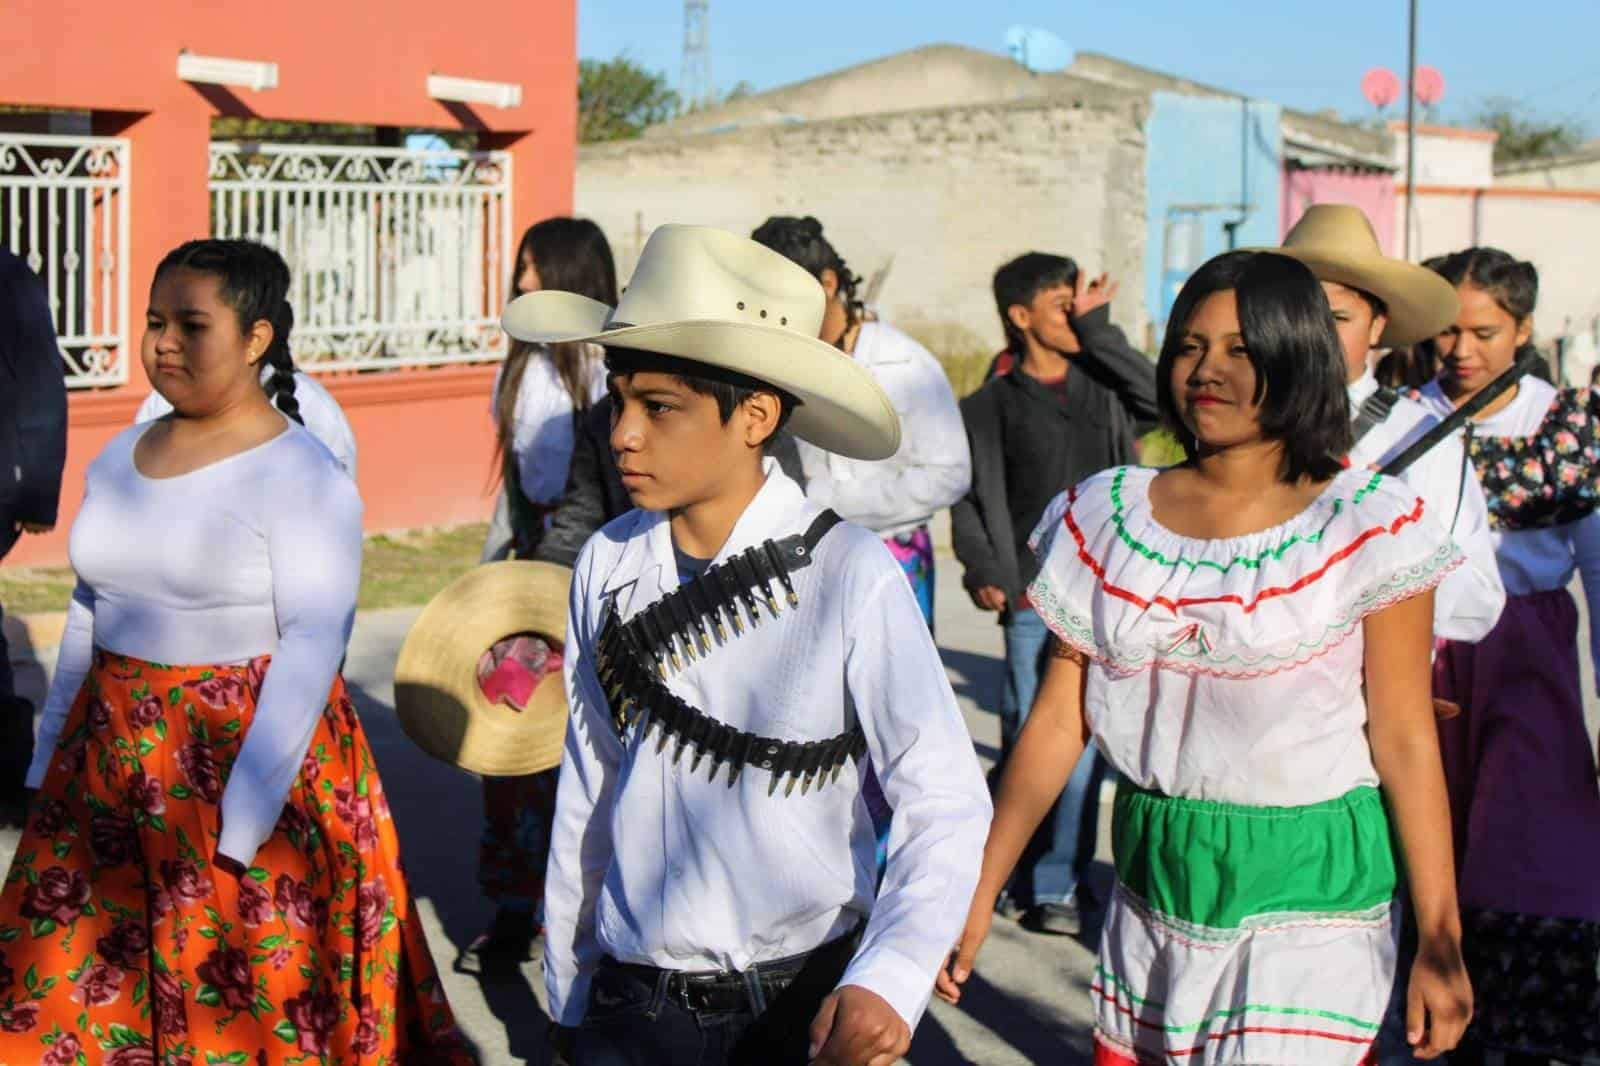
(1524, 135)
(617, 99)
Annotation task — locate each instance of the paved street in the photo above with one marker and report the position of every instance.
(1028, 1003)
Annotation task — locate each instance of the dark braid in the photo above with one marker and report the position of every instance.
(255, 283)
(801, 241)
(280, 386)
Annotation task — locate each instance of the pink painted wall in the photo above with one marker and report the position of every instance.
(1373, 193)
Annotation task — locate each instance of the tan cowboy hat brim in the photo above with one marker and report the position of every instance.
(841, 408)
(436, 693)
(1420, 302)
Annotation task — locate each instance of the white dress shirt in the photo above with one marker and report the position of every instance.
(1467, 603)
(653, 864)
(544, 426)
(1536, 560)
(932, 469)
(256, 554)
(320, 411)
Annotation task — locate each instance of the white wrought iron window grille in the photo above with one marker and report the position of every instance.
(400, 257)
(64, 211)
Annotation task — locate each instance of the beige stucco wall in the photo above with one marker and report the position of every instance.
(1558, 234)
(1569, 173)
(947, 194)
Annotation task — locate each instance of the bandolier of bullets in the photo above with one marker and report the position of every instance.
(634, 660)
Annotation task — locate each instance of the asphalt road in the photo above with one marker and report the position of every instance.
(1028, 1002)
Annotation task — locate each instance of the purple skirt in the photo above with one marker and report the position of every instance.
(1525, 810)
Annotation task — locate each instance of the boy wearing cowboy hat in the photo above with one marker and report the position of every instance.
(734, 655)
(1380, 302)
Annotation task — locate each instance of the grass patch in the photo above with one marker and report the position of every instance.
(36, 590)
(402, 569)
(397, 570)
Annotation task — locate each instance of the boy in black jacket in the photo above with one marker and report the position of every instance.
(1065, 400)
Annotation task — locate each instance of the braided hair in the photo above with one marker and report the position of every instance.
(800, 240)
(1512, 282)
(255, 284)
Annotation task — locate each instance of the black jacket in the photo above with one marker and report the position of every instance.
(1027, 447)
(594, 494)
(33, 403)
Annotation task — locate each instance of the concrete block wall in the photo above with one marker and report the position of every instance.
(948, 194)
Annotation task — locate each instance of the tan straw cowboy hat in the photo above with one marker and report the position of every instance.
(437, 696)
(716, 298)
(1337, 242)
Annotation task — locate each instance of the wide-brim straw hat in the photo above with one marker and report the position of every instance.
(436, 693)
(722, 300)
(1337, 242)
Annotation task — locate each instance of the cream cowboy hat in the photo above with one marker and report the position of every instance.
(1337, 242)
(715, 298)
(437, 697)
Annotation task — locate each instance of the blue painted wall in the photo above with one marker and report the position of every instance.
(1203, 153)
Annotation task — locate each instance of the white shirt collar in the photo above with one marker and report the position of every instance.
(775, 512)
(1361, 388)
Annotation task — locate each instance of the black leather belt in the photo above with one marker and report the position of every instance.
(634, 658)
(725, 991)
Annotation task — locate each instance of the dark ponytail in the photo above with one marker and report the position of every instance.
(800, 240)
(255, 283)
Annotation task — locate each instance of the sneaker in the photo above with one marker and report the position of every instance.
(1054, 919)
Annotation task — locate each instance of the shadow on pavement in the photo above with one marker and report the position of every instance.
(1034, 1034)
(975, 677)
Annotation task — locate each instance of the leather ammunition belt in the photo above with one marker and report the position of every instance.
(635, 658)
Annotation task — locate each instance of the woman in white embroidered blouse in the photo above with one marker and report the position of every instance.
(1246, 638)
(200, 768)
(1518, 757)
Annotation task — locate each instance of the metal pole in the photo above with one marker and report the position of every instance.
(1411, 126)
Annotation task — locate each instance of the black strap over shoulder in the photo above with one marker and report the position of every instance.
(1374, 409)
(634, 659)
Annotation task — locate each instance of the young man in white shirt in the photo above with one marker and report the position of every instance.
(734, 658)
(1380, 302)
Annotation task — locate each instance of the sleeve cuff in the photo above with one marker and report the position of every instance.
(568, 1005)
(902, 983)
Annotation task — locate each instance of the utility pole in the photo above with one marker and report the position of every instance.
(694, 83)
(1411, 128)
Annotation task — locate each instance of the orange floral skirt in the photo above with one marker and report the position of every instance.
(121, 941)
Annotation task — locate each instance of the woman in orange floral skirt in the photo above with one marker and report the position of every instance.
(210, 873)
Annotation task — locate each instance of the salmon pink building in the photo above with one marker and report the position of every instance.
(401, 249)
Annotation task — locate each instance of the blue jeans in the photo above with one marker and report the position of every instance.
(1058, 856)
(633, 1019)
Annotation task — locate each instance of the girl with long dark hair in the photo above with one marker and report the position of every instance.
(1518, 757)
(540, 394)
(543, 388)
(1246, 638)
(210, 870)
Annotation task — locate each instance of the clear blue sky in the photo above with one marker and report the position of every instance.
(1300, 53)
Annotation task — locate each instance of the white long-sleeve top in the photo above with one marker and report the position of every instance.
(1536, 560)
(932, 469)
(256, 554)
(653, 864)
(544, 430)
(318, 409)
(1468, 602)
